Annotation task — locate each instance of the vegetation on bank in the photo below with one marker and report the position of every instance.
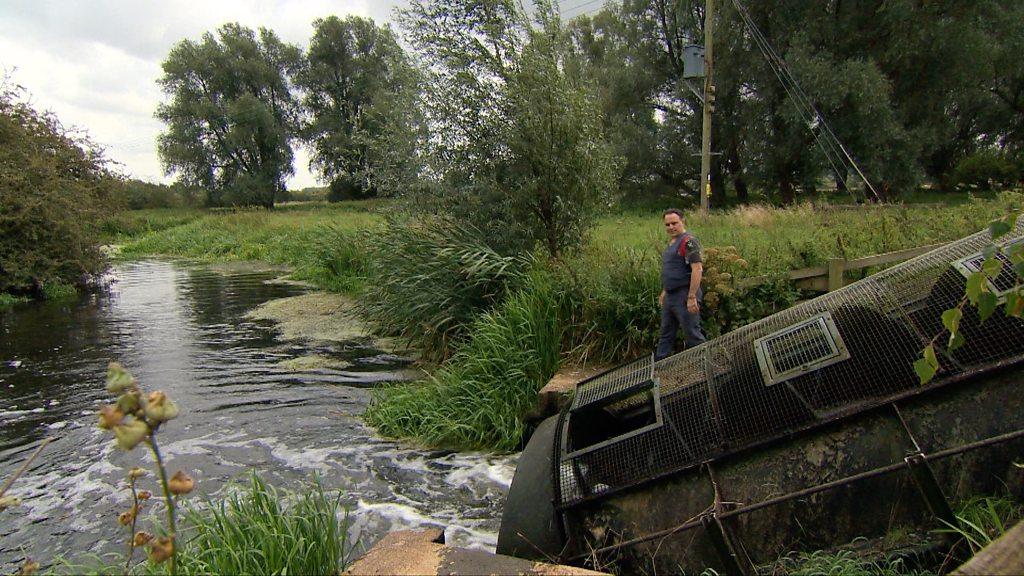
(443, 288)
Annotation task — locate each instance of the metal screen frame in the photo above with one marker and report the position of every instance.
(827, 326)
(972, 264)
(651, 386)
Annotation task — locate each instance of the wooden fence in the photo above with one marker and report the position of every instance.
(833, 275)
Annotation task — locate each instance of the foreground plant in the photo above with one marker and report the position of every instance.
(134, 419)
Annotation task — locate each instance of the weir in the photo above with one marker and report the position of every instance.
(802, 431)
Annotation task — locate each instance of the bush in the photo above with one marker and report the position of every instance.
(139, 195)
(985, 170)
(54, 189)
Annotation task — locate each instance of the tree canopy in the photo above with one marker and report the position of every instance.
(232, 114)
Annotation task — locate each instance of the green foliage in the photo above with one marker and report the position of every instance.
(846, 563)
(139, 195)
(258, 530)
(478, 399)
(985, 170)
(231, 115)
(982, 520)
(516, 143)
(55, 188)
(7, 300)
(428, 279)
(356, 88)
(336, 261)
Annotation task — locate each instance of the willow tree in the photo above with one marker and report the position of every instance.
(231, 115)
(354, 75)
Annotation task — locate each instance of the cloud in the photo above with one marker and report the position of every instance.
(95, 63)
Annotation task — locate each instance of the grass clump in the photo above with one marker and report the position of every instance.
(981, 520)
(7, 300)
(479, 397)
(258, 530)
(846, 563)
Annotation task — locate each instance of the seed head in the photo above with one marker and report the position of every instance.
(142, 538)
(136, 473)
(129, 435)
(144, 495)
(160, 408)
(9, 502)
(161, 549)
(180, 483)
(110, 416)
(118, 378)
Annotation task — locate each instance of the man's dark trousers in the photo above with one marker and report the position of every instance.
(674, 316)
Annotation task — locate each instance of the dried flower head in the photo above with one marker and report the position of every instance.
(118, 378)
(136, 473)
(160, 408)
(129, 435)
(161, 549)
(9, 502)
(127, 517)
(142, 538)
(180, 483)
(29, 568)
(144, 495)
(110, 416)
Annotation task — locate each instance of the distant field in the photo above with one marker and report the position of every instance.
(779, 239)
(770, 239)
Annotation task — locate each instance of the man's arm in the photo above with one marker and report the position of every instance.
(696, 273)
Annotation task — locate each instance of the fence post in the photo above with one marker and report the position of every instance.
(836, 267)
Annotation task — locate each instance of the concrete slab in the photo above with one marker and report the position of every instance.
(558, 391)
(421, 552)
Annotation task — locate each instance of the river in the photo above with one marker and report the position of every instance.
(182, 329)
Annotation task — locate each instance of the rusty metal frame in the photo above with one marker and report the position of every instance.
(881, 471)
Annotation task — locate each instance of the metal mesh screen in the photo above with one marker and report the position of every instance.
(615, 381)
(716, 399)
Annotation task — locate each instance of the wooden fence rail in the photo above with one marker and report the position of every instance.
(833, 275)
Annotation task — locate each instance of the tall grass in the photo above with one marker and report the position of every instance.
(846, 563)
(428, 280)
(259, 530)
(479, 397)
(981, 520)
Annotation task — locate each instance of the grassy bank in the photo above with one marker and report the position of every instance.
(447, 300)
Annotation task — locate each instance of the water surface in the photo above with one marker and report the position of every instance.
(182, 329)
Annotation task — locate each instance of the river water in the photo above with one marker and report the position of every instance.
(182, 329)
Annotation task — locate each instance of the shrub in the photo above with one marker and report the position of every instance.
(985, 170)
(54, 189)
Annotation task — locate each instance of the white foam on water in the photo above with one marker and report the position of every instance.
(498, 471)
(399, 515)
(308, 458)
(464, 537)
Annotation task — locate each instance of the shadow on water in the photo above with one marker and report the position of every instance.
(183, 330)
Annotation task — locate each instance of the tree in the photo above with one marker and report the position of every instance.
(232, 116)
(515, 143)
(354, 76)
(55, 187)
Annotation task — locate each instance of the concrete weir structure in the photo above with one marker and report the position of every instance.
(805, 430)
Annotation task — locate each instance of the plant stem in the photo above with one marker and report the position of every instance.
(24, 466)
(131, 532)
(168, 497)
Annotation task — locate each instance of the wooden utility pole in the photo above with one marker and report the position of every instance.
(709, 105)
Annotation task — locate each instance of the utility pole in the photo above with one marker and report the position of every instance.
(709, 105)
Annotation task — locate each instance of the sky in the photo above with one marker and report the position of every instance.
(95, 63)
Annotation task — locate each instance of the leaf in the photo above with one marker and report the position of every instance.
(951, 320)
(986, 305)
(956, 341)
(975, 287)
(927, 366)
(1014, 303)
(1002, 226)
(992, 267)
(989, 251)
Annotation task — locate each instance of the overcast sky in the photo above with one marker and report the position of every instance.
(95, 63)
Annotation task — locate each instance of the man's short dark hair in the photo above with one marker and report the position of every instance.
(675, 211)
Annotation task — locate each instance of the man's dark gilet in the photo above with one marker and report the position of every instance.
(675, 270)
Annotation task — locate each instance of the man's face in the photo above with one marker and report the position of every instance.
(673, 225)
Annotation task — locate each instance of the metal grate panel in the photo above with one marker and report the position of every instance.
(1006, 280)
(614, 382)
(714, 398)
(808, 345)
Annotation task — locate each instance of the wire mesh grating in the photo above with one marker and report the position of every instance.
(716, 399)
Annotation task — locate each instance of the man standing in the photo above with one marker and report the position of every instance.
(681, 296)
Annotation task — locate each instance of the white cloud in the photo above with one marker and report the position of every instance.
(95, 63)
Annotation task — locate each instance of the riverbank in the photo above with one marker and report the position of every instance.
(510, 334)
